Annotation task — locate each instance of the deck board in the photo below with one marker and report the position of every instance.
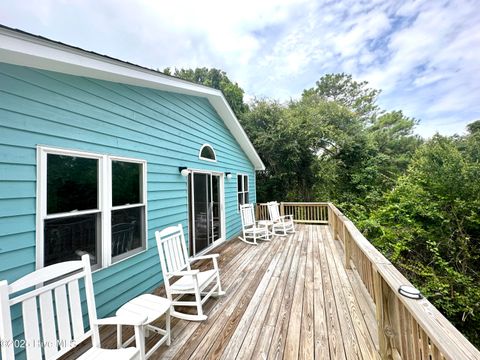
(306, 350)
(288, 298)
(335, 339)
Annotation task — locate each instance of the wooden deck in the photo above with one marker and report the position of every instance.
(290, 298)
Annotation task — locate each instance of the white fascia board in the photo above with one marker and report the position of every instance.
(28, 50)
(16, 48)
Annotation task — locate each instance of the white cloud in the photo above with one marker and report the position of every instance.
(364, 27)
(423, 54)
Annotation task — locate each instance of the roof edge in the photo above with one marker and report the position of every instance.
(21, 48)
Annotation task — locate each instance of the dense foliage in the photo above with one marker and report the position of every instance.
(418, 201)
(429, 227)
(326, 146)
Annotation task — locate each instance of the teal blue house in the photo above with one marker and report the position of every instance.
(96, 154)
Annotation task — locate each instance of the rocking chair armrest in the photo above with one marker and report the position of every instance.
(283, 217)
(185, 273)
(204, 257)
(122, 320)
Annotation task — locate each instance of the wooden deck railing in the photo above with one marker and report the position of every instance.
(311, 213)
(261, 211)
(407, 328)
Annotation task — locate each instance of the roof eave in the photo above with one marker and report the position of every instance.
(24, 49)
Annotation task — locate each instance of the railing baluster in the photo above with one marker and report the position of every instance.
(407, 318)
(348, 249)
(380, 312)
(425, 347)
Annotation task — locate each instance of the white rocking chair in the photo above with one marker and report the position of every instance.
(283, 223)
(175, 263)
(252, 230)
(55, 311)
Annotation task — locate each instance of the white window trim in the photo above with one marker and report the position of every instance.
(243, 188)
(104, 196)
(204, 158)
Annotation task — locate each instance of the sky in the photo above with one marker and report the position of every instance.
(423, 55)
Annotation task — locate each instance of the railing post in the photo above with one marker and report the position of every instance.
(335, 224)
(347, 247)
(343, 230)
(385, 332)
(329, 215)
(282, 210)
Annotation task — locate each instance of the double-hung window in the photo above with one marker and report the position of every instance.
(89, 204)
(72, 222)
(242, 188)
(128, 208)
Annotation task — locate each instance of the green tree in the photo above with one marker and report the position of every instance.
(281, 147)
(394, 143)
(355, 95)
(216, 79)
(366, 151)
(474, 127)
(320, 148)
(430, 229)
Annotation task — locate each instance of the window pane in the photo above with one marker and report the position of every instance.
(240, 199)
(70, 237)
(245, 183)
(126, 180)
(239, 183)
(246, 198)
(71, 183)
(207, 153)
(127, 230)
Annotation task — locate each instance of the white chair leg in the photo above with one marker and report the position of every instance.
(119, 336)
(167, 327)
(220, 292)
(198, 300)
(140, 340)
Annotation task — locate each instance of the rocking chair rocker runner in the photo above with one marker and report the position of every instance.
(283, 223)
(175, 263)
(54, 310)
(251, 229)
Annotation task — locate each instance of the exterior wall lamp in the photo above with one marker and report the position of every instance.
(183, 171)
(228, 175)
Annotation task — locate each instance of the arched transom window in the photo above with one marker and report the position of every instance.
(207, 153)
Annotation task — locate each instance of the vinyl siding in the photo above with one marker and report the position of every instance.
(165, 129)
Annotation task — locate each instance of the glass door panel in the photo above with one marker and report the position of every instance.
(205, 211)
(201, 204)
(216, 209)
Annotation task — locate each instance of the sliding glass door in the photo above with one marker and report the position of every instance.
(205, 209)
